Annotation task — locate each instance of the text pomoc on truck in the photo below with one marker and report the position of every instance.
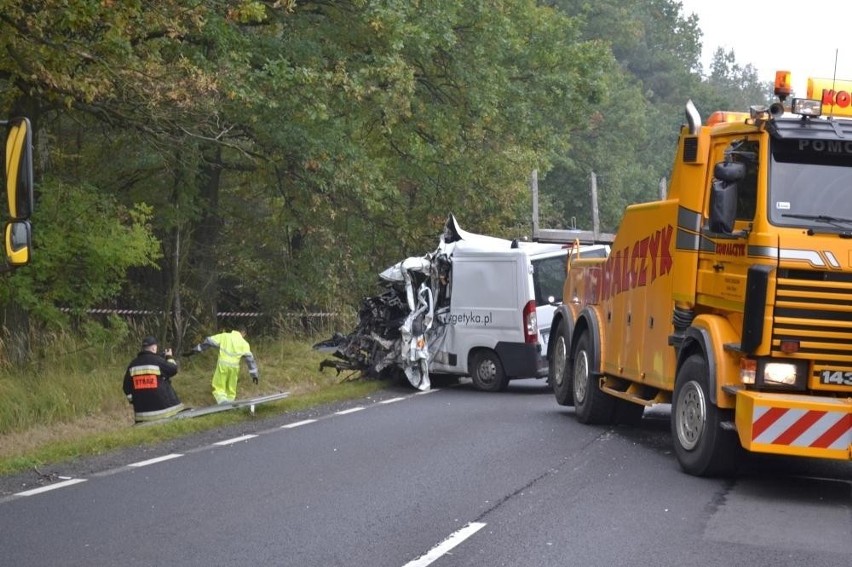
(731, 298)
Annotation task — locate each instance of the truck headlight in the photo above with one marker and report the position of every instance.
(806, 107)
(780, 373)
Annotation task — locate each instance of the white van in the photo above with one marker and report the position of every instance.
(477, 306)
(494, 322)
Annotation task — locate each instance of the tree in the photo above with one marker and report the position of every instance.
(288, 149)
(733, 86)
(369, 114)
(628, 140)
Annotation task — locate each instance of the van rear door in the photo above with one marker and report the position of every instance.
(548, 280)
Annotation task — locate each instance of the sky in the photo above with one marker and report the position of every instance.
(772, 36)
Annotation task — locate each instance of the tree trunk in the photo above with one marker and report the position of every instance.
(206, 238)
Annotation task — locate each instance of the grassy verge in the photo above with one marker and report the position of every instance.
(72, 405)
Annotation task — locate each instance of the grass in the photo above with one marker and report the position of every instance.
(72, 404)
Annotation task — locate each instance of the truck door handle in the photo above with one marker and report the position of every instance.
(718, 267)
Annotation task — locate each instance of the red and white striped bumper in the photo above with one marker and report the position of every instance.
(788, 424)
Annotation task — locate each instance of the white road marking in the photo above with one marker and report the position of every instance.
(156, 460)
(344, 412)
(298, 423)
(235, 440)
(392, 400)
(51, 487)
(445, 546)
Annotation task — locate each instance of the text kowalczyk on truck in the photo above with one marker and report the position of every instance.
(731, 298)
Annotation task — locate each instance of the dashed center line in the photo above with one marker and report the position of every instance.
(392, 400)
(445, 546)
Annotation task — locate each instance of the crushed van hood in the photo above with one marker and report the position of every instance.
(395, 327)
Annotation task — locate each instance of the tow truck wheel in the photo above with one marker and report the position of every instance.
(591, 405)
(558, 372)
(702, 447)
(487, 373)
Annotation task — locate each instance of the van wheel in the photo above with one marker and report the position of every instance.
(487, 371)
(591, 405)
(702, 447)
(558, 372)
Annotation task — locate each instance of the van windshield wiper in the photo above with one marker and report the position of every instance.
(833, 221)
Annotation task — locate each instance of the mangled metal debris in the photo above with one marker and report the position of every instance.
(391, 333)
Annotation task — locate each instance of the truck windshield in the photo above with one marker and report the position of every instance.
(548, 279)
(810, 187)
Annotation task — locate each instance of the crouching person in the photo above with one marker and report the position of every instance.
(147, 383)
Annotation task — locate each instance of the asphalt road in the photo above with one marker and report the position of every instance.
(453, 477)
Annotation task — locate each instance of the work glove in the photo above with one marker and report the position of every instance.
(130, 398)
(255, 378)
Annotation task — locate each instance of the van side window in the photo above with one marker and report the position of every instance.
(548, 278)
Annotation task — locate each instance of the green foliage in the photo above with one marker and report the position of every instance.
(85, 243)
(629, 142)
(731, 86)
(373, 113)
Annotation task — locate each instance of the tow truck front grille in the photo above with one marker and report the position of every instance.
(815, 308)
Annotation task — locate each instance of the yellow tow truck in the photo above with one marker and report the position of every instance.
(731, 297)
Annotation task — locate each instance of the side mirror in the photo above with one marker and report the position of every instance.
(19, 243)
(19, 168)
(729, 171)
(723, 196)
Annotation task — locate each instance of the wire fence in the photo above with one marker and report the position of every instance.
(296, 323)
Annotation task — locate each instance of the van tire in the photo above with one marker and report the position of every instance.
(487, 372)
(591, 405)
(558, 371)
(701, 446)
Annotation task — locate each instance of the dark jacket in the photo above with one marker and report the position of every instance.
(147, 380)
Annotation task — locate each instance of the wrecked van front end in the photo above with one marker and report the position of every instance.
(390, 337)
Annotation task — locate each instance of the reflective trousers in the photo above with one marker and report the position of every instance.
(225, 383)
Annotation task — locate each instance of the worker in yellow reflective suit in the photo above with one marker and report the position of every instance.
(232, 347)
